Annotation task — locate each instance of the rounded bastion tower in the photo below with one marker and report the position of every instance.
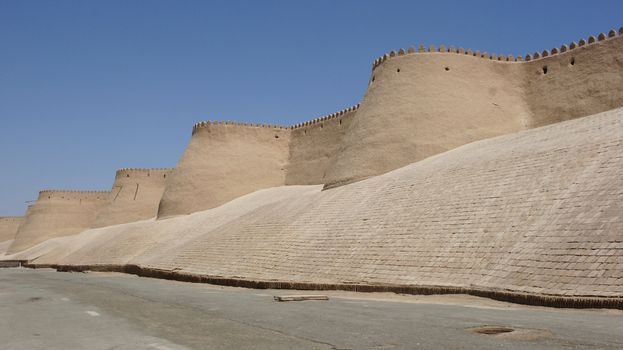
(58, 213)
(224, 161)
(135, 195)
(424, 102)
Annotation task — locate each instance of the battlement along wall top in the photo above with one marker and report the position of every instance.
(71, 195)
(142, 172)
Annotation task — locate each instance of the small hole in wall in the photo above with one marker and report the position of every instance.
(305, 132)
(572, 62)
(320, 126)
(447, 69)
(276, 136)
(340, 121)
(398, 70)
(165, 176)
(373, 77)
(544, 69)
(128, 175)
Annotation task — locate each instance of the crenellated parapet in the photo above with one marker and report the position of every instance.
(143, 172)
(11, 218)
(73, 194)
(500, 58)
(324, 118)
(207, 123)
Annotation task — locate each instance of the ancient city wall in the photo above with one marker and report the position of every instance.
(135, 195)
(313, 143)
(531, 217)
(424, 102)
(58, 213)
(223, 161)
(9, 226)
(419, 102)
(528, 215)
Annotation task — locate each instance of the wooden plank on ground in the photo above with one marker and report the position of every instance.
(300, 297)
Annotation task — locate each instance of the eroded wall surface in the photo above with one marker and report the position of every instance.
(56, 214)
(9, 226)
(135, 195)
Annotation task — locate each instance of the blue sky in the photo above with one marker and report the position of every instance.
(87, 87)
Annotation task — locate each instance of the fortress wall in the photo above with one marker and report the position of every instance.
(58, 213)
(135, 195)
(224, 161)
(585, 80)
(421, 103)
(312, 145)
(9, 226)
(534, 212)
(537, 212)
(418, 105)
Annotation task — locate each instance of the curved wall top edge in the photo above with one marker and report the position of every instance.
(494, 57)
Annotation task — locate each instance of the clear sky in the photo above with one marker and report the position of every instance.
(87, 87)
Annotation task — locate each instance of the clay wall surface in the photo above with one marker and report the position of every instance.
(313, 144)
(58, 213)
(579, 82)
(423, 103)
(9, 226)
(223, 162)
(135, 195)
(536, 212)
